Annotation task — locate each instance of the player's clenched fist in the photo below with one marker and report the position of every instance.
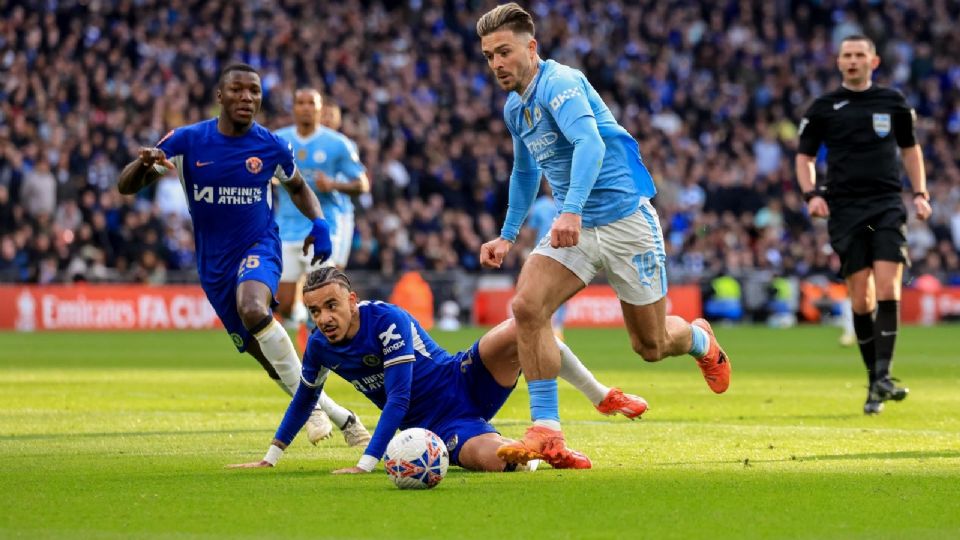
(493, 252)
(151, 156)
(565, 231)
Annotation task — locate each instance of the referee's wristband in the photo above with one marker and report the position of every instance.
(809, 195)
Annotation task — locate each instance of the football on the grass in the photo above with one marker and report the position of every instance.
(416, 458)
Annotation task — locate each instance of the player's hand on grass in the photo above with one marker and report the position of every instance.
(493, 252)
(319, 238)
(350, 470)
(817, 207)
(252, 465)
(565, 231)
(922, 206)
(151, 156)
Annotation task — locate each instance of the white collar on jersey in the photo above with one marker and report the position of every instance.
(528, 92)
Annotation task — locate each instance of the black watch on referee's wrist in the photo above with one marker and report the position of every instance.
(924, 194)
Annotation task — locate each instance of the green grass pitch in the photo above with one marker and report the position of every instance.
(125, 435)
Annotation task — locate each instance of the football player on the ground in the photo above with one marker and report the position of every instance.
(385, 354)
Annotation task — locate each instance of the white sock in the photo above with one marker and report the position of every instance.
(338, 415)
(574, 372)
(550, 424)
(847, 316)
(299, 313)
(278, 349)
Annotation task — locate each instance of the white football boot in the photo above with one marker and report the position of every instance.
(354, 433)
(319, 426)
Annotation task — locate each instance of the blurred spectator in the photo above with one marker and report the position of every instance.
(711, 90)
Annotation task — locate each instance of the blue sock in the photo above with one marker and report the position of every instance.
(700, 343)
(544, 404)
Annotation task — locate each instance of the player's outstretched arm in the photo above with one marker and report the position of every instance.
(142, 172)
(298, 412)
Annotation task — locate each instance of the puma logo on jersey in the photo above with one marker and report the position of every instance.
(840, 104)
(562, 97)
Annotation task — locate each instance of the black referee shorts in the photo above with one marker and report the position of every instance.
(866, 230)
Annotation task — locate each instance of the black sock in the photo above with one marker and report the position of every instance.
(885, 332)
(863, 327)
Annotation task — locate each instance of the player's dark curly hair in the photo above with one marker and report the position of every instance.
(237, 66)
(325, 276)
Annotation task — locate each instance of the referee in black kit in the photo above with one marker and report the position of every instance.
(862, 126)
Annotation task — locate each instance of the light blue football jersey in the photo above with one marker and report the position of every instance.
(325, 151)
(542, 118)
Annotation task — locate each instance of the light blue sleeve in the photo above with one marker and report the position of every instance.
(524, 185)
(349, 162)
(571, 110)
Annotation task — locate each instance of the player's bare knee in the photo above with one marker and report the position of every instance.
(252, 313)
(527, 312)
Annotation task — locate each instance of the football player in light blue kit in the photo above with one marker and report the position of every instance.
(385, 354)
(562, 129)
(328, 161)
(226, 165)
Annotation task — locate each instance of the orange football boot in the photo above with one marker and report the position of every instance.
(543, 443)
(715, 365)
(628, 405)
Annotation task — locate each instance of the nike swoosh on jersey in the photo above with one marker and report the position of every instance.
(203, 163)
(840, 104)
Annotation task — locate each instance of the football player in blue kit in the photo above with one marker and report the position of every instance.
(561, 129)
(385, 354)
(226, 165)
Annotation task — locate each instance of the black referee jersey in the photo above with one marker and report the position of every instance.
(861, 131)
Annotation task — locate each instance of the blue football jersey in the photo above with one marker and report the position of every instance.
(227, 183)
(325, 151)
(389, 339)
(541, 120)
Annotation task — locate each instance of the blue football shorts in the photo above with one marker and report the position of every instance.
(261, 262)
(480, 397)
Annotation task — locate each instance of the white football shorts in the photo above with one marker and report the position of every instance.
(630, 250)
(295, 263)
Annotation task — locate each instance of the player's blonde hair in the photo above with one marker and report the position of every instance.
(506, 17)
